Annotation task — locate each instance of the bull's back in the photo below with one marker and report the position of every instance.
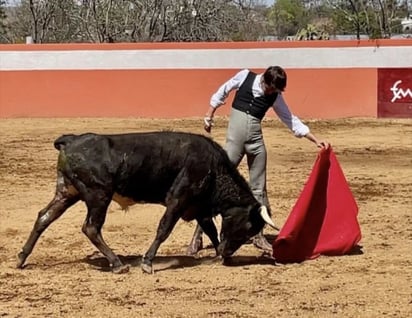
(141, 166)
(153, 161)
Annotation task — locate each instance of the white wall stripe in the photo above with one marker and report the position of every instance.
(347, 57)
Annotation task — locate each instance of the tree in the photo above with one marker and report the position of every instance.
(59, 21)
(43, 20)
(3, 23)
(287, 17)
(375, 18)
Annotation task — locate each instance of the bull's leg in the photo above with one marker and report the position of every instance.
(64, 198)
(176, 203)
(97, 205)
(166, 225)
(196, 244)
(210, 230)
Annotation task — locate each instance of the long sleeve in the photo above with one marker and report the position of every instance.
(218, 98)
(281, 109)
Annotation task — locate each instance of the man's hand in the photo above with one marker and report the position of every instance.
(208, 124)
(323, 144)
(319, 143)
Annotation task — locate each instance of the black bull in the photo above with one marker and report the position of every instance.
(189, 174)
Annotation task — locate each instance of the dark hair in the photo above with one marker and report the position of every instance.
(275, 76)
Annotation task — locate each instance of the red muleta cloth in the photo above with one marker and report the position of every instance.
(324, 218)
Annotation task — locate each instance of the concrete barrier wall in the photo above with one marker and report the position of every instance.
(326, 79)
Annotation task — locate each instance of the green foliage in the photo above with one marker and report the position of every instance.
(311, 32)
(288, 16)
(376, 19)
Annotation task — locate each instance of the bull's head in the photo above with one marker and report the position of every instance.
(238, 227)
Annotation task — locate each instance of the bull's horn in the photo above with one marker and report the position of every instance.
(265, 216)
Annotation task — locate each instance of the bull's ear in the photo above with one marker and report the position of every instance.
(265, 216)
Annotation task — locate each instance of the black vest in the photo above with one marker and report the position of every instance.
(247, 103)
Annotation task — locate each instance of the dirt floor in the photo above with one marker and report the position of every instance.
(64, 276)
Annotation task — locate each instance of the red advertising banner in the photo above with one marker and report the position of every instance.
(395, 92)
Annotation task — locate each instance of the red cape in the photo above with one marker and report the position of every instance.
(324, 218)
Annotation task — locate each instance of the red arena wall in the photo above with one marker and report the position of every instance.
(326, 79)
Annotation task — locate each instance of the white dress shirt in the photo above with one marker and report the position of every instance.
(279, 106)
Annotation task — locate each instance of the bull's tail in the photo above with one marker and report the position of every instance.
(62, 141)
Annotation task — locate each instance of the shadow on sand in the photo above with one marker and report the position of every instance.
(161, 263)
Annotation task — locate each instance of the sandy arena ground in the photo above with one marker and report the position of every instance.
(66, 278)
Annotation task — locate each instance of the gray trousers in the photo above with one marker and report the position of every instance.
(245, 137)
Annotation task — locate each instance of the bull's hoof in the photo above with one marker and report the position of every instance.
(122, 269)
(147, 268)
(21, 258)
